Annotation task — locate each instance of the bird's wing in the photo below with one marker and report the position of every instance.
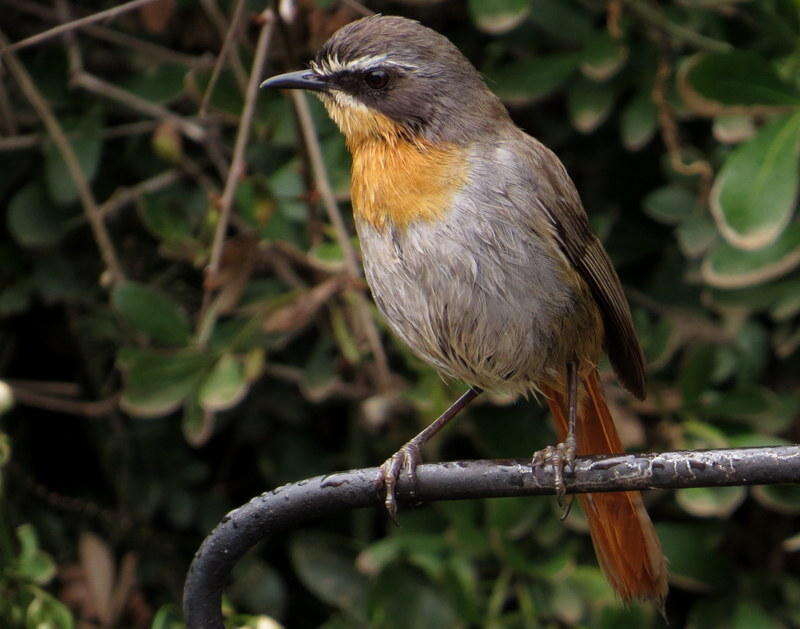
(557, 198)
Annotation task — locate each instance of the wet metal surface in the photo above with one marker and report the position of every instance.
(290, 506)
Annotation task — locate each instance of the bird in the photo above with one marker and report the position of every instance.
(478, 252)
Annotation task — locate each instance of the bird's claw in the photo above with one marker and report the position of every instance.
(562, 457)
(406, 459)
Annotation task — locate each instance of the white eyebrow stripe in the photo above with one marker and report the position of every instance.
(331, 65)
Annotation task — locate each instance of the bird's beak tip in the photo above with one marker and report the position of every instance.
(300, 80)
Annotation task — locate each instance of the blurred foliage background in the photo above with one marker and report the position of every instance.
(153, 379)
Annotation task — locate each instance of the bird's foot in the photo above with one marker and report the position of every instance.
(406, 459)
(562, 457)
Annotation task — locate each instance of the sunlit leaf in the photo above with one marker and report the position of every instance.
(157, 383)
(710, 502)
(225, 386)
(589, 104)
(498, 16)
(728, 267)
(638, 123)
(754, 195)
(603, 57)
(736, 80)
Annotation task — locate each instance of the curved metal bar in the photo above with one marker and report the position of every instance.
(292, 505)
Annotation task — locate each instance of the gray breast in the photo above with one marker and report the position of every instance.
(477, 293)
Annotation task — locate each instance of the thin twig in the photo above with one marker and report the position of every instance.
(69, 26)
(90, 207)
(81, 408)
(96, 85)
(32, 140)
(242, 137)
(358, 7)
(218, 18)
(117, 37)
(6, 111)
(224, 53)
(323, 185)
(125, 195)
(678, 32)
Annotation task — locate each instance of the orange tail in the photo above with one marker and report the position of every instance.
(624, 539)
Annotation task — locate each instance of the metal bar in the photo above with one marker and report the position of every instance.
(293, 505)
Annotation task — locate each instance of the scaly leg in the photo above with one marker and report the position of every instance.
(408, 457)
(562, 455)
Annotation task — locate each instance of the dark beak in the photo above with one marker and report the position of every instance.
(300, 80)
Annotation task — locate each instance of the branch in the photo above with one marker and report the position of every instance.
(242, 136)
(291, 506)
(56, 132)
(69, 26)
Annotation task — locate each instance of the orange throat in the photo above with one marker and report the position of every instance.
(397, 180)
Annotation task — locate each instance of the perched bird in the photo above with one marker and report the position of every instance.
(479, 254)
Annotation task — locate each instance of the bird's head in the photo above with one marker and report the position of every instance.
(389, 77)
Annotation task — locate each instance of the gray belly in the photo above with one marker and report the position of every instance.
(478, 297)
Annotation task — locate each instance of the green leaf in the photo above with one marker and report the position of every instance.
(530, 79)
(695, 235)
(33, 220)
(498, 16)
(197, 424)
(711, 502)
(639, 122)
(728, 267)
(329, 573)
(160, 84)
(167, 617)
(87, 143)
(755, 192)
(696, 373)
(603, 57)
(739, 78)
(589, 104)
(47, 612)
(750, 615)
(225, 386)
(32, 563)
(784, 499)
(152, 312)
(156, 384)
(692, 555)
(671, 204)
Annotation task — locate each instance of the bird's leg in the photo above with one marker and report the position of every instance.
(562, 455)
(408, 457)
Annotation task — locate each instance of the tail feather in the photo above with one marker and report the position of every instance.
(627, 547)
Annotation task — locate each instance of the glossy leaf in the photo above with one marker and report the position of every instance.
(603, 57)
(728, 267)
(589, 105)
(711, 502)
(87, 143)
(498, 16)
(738, 78)
(152, 312)
(754, 195)
(638, 123)
(671, 204)
(225, 386)
(157, 384)
(528, 80)
(33, 220)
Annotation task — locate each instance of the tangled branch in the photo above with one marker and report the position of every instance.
(292, 505)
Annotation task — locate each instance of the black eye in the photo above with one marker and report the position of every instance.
(376, 79)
